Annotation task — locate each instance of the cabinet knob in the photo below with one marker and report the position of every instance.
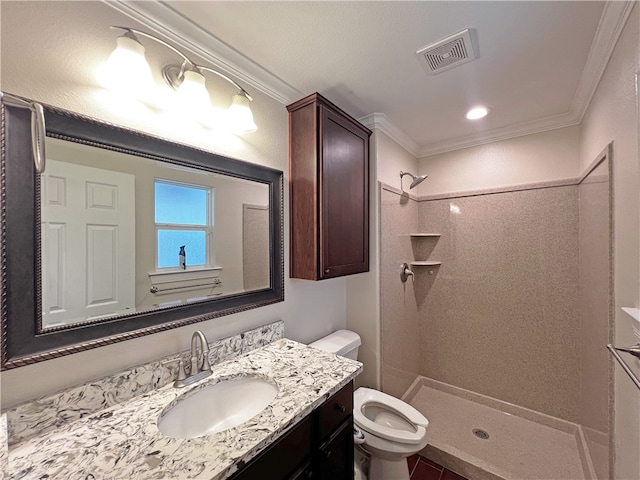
(341, 408)
(327, 454)
(326, 270)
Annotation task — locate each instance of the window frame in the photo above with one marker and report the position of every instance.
(208, 229)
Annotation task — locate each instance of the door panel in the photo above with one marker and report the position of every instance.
(88, 243)
(345, 182)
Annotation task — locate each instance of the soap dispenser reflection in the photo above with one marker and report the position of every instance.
(182, 256)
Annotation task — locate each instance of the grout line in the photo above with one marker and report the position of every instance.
(415, 465)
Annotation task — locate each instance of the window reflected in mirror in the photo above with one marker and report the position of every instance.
(184, 223)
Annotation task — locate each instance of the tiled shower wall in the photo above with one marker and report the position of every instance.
(500, 318)
(399, 339)
(520, 307)
(594, 311)
(500, 315)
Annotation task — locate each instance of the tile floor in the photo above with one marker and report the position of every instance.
(421, 468)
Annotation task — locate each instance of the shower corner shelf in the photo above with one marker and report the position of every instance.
(424, 263)
(424, 235)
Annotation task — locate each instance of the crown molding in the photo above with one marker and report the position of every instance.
(163, 20)
(379, 121)
(612, 22)
(499, 134)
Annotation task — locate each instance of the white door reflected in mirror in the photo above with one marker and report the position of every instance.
(88, 243)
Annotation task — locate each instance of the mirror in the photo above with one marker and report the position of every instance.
(124, 235)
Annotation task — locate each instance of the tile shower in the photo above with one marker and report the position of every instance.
(515, 320)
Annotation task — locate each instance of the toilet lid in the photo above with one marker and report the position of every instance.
(363, 397)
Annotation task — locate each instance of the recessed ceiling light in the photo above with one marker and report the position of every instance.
(477, 113)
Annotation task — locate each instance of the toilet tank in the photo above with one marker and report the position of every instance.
(341, 342)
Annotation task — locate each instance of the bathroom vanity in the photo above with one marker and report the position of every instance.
(306, 430)
(320, 446)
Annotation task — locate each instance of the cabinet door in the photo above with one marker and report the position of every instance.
(304, 473)
(334, 411)
(281, 460)
(335, 459)
(344, 238)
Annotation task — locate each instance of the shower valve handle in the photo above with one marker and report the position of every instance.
(405, 272)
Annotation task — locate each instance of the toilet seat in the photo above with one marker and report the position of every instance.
(364, 397)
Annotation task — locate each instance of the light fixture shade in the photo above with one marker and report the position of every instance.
(193, 93)
(128, 69)
(240, 115)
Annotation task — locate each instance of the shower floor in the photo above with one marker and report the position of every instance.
(522, 444)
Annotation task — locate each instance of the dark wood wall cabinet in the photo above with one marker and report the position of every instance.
(319, 447)
(329, 191)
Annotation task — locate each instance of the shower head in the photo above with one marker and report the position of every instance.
(416, 180)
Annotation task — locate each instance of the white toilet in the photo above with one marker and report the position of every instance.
(393, 429)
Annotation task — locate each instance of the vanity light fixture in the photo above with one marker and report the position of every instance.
(129, 70)
(476, 113)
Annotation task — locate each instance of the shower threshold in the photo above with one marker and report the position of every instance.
(486, 439)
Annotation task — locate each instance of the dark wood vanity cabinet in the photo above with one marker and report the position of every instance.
(320, 447)
(329, 187)
(336, 455)
(334, 436)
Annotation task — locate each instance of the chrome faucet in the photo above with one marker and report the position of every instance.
(200, 368)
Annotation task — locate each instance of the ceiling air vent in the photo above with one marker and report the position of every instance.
(447, 53)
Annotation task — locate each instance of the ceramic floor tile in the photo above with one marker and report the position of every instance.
(449, 475)
(412, 461)
(424, 471)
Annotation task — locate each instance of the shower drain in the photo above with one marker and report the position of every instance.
(480, 433)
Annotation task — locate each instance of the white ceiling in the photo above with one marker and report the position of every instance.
(538, 65)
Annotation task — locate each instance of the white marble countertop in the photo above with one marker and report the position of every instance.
(124, 441)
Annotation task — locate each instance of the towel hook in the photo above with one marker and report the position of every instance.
(38, 130)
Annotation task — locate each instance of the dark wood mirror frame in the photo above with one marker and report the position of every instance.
(23, 341)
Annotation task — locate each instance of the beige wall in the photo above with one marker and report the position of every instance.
(310, 309)
(541, 157)
(391, 158)
(612, 116)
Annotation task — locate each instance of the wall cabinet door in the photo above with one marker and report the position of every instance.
(329, 185)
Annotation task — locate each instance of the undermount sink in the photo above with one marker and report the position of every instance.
(216, 407)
